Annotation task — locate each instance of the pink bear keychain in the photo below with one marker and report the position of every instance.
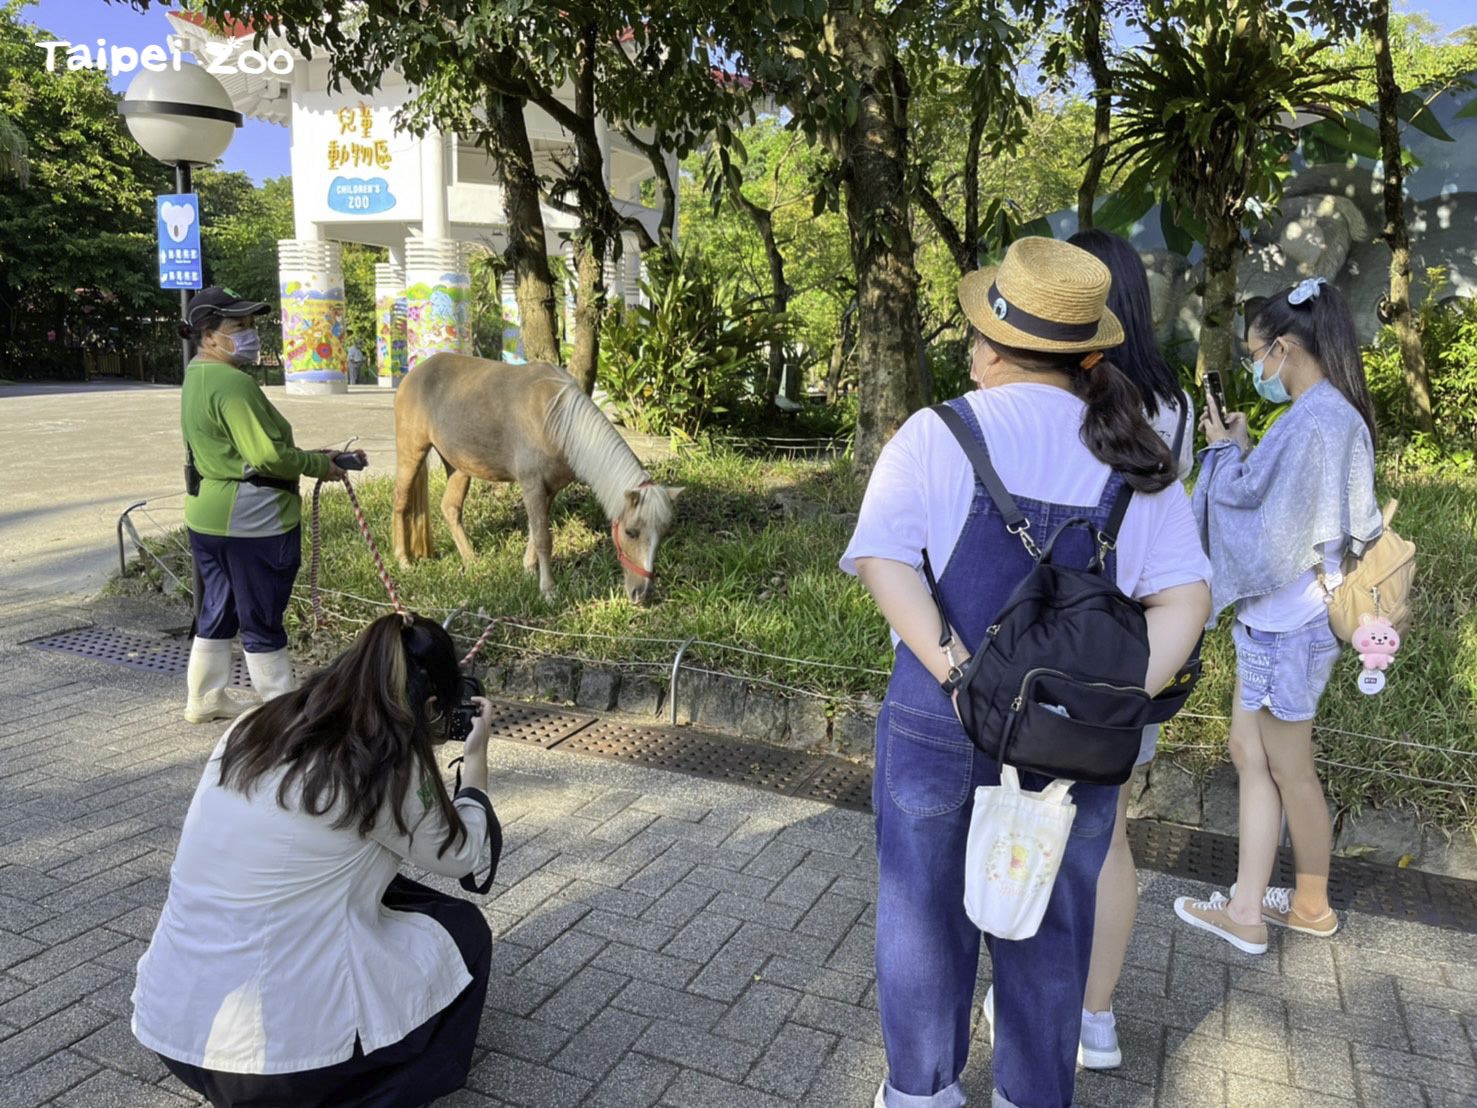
(1377, 641)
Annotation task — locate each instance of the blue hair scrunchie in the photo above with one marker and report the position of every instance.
(1305, 290)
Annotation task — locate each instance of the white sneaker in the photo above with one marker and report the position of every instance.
(881, 1100)
(1097, 1048)
(1097, 1043)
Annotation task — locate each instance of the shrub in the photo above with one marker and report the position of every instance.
(1449, 339)
(684, 359)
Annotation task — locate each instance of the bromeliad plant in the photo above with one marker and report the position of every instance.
(684, 358)
(1205, 111)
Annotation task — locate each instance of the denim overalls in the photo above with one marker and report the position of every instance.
(927, 771)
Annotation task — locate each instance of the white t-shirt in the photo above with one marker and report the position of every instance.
(1166, 423)
(273, 950)
(1298, 603)
(922, 486)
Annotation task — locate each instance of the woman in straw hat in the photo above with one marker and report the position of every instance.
(1065, 429)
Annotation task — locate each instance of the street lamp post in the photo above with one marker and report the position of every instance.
(182, 117)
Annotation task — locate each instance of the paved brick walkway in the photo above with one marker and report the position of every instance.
(661, 940)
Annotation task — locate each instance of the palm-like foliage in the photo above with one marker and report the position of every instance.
(1204, 109)
(14, 153)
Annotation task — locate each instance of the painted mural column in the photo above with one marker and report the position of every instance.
(512, 344)
(311, 279)
(438, 290)
(389, 307)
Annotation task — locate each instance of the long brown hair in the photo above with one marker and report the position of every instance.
(355, 733)
(1114, 428)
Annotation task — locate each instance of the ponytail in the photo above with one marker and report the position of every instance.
(1321, 322)
(1114, 428)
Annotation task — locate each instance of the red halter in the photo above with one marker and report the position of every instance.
(620, 555)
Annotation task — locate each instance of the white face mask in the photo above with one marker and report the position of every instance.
(245, 347)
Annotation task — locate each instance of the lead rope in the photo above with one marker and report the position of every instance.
(320, 617)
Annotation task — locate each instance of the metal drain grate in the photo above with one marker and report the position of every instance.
(121, 648)
(844, 784)
(166, 656)
(1387, 891)
(534, 725)
(763, 767)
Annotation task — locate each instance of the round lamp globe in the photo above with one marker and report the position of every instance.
(180, 116)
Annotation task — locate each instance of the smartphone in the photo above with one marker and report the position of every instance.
(1215, 391)
(348, 460)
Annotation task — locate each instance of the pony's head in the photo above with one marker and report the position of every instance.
(638, 531)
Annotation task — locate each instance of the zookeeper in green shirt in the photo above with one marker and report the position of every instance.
(242, 506)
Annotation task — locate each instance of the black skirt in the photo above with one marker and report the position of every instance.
(432, 1061)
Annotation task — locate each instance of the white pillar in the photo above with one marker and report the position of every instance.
(312, 285)
(438, 291)
(571, 291)
(389, 306)
(434, 221)
(676, 198)
(511, 348)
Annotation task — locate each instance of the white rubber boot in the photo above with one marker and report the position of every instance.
(271, 674)
(206, 678)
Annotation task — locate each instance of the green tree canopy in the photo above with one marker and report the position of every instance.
(76, 243)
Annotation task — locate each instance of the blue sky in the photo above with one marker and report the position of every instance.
(261, 149)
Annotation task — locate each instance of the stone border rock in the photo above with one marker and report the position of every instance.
(751, 710)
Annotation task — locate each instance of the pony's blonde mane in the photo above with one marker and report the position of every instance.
(594, 449)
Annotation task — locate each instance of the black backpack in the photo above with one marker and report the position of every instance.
(1056, 688)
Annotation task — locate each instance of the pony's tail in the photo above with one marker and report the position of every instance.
(418, 513)
(412, 508)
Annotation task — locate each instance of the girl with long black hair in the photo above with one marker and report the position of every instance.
(291, 963)
(1171, 413)
(1276, 521)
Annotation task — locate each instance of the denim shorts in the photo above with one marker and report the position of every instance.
(1285, 671)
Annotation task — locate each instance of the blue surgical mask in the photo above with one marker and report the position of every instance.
(247, 347)
(1270, 389)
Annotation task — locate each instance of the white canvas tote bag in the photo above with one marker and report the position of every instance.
(1016, 841)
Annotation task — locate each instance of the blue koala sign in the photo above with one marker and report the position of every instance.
(177, 218)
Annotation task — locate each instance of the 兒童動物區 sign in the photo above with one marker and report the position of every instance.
(177, 220)
(357, 148)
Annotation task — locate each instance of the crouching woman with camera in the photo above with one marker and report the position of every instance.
(292, 964)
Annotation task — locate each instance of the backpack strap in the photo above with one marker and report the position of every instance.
(1015, 519)
(1107, 538)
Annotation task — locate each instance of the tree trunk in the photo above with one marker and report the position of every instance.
(779, 291)
(873, 153)
(780, 301)
(527, 246)
(845, 339)
(589, 308)
(1219, 300)
(1102, 79)
(1395, 231)
(596, 233)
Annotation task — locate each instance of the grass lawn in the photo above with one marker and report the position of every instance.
(741, 574)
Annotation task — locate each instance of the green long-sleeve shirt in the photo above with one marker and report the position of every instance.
(235, 432)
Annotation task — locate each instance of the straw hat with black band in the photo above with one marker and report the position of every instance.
(1047, 296)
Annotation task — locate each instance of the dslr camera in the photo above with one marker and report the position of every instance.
(465, 711)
